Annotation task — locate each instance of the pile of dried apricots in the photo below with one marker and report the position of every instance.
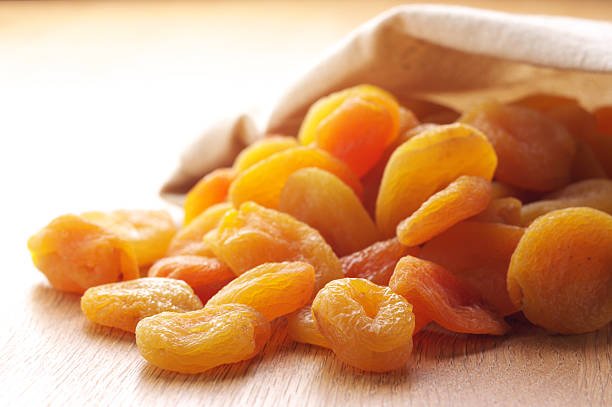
(374, 222)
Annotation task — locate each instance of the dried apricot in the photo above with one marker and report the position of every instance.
(586, 165)
(205, 275)
(263, 182)
(321, 200)
(273, 289)
(196, 341)
(253, 235)
(148, 232)
(121, 305)
(301, 327)
(261, 150)
(593, 193)
(437, 295)
(426, 164)
(603, 120)
(354, 125)
(461, 199)
(75, 254)
(561, 272)
(534, 152)
(503, 190)
(211, 189)
(501, 210)
(376, 262)
(367, 326)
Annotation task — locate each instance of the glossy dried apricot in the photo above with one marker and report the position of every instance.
(263, 182)
(205, 275)
(273, 289)
(534, 152)
(196, 341)
(148, 231)
(321, 200)
(211, 189)
(437, 295)
(561, 272)
(253, 235)
(368, 326)
(262, 149)
(501, 210)
(301, 327)
(461, 199)
(593, 193)
(75, 254)
(189, 239)
(121, 305)
(376, 262)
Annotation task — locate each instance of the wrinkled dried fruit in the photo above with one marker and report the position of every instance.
(211, 189)
(376, 262)
(148, 232)
(121, 305)
(561, 272)
(273, 289)
(263, 182)
(426, 164)
(301, 327)
(461, 199)
(321, 200)
(501, 210)
(254, 235)
(437, 295)
(534, 152)
(262, 149)
(367, 326)
(593, 193)
(75, 254)
(196, 341)
(205, 275)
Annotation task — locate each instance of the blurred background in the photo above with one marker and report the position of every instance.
(98, 99)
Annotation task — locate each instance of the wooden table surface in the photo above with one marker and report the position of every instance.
(97, 100)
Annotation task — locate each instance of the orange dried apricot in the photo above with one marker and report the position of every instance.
(262, 149)
(205, 275)
(461, 199)
(437, 295)
(148, 232)
(196, 341)
(426, 164)
(75, 254)
(586, 165)
(121, 305)
(253, 235)
(502, 210)
(593, 193)
(503, 190)
(189, 239)
(211, 189)
(273, 289)
(561, 272)
(354, 125)
(321, 200)
(263, 182)
(301, 327)
(376, 262)
(367, 326)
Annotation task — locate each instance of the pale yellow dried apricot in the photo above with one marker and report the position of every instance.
(262, 149)
(301, 327)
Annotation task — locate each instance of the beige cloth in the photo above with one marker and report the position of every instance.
(445, 54)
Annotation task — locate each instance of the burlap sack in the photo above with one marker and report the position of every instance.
(445, 54)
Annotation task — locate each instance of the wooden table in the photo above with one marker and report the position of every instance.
(96, 102)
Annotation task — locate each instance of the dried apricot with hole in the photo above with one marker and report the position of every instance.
(205, 275)
(196, 341)
(301, 327)
(502, 210)
(262, 149)
(437, 295)
(253, 235)
(593, 193)
(367, 326)
(561, 272)
(534, 152)
(75, 254)
(461, 199)
(211, 189)
(263, 182)
(426, 164)
(321, 200)
(273, 289)
(376, 262)
(121, 305)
